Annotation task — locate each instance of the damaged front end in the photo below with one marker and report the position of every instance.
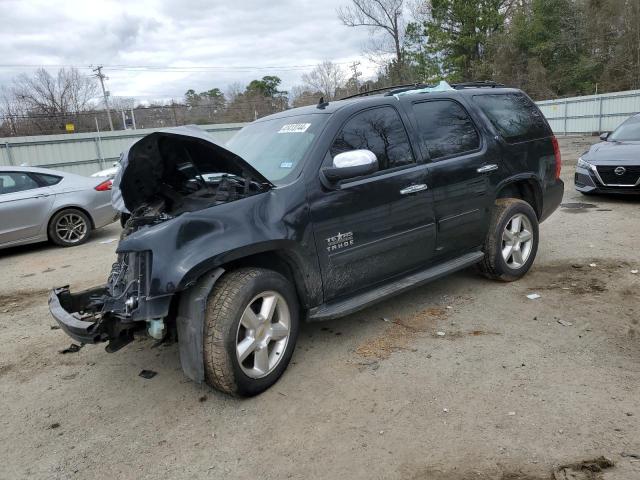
(167, 175)
(115, 311)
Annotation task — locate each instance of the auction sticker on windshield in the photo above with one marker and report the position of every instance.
(294, 128)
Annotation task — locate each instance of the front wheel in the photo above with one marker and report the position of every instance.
(251, 329)
(512, 241)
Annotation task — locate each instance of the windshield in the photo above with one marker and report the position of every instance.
(276, 147)
(629, 131)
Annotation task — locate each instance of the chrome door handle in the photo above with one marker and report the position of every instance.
(487, 168)
(413, 189)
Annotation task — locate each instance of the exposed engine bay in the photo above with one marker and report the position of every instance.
(166, 174)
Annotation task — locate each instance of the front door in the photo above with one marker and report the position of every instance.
(373, 228)
(24, 206)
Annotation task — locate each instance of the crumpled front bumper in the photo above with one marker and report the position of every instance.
(94, 315)
(73, 312)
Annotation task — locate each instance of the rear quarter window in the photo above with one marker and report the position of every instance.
(46, 179)
(516, 118)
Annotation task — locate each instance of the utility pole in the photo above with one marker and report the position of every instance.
(356, 74)
(101, 76)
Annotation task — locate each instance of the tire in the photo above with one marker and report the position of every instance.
(228, 323)
(515, 266)
(61, 226)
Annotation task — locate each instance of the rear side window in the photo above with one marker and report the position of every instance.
(515, 116)
(46, 179)
(380, 130)
(445, 128)
(12, 182)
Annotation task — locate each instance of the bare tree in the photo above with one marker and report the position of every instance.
(68, 92)
(9, 112)
(122, 103)
(301, 95)
(326, 78)
(386, 16)
(234, 91)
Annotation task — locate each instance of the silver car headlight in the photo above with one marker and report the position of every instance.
(584, 164)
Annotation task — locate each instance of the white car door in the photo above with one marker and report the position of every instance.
(24, 207)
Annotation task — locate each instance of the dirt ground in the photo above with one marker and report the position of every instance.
(515, 388)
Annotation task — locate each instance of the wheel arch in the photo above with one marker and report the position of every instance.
(524, 187)
(191, 302)
(281, 258)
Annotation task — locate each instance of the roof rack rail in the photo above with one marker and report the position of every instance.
(477, 84)
(392, 90)
(415, 86)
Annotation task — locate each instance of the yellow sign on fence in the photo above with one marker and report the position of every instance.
(70, 127)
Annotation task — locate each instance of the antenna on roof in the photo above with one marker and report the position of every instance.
(322, 104)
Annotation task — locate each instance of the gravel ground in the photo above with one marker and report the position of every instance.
(515, 388)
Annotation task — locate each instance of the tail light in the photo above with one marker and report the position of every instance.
(556, 153)
(104, 186)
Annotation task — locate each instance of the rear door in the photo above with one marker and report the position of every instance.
(372, 228)
(459, 173)
(24, 206)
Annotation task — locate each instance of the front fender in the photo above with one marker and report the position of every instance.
(192, 244)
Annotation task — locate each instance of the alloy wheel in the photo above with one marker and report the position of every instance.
(263, 334)
(517, 241)
(71, 228)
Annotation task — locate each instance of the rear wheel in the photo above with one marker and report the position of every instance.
(512, 241)
(69, 227)
(251, 329)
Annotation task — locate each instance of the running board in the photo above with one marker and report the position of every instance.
(345, 307)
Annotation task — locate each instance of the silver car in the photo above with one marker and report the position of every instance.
(39, 204)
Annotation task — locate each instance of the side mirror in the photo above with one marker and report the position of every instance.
(604, 136)
(354, 163)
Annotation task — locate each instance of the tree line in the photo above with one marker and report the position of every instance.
(548, 48)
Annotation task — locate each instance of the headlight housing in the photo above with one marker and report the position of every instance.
(583, 163)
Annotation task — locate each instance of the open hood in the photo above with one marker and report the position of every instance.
(183, 169)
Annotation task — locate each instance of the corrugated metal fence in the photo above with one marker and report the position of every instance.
(85, 153)
(591, 113)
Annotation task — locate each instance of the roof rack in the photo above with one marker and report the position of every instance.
(391, 90)
(394, 89)
(477, 84)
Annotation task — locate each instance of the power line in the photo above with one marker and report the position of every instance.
(166, 68)
(182, 107)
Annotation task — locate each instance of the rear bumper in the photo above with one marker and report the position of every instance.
(69, 311)
(552, 198)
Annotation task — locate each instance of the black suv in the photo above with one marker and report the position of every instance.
(314, 213)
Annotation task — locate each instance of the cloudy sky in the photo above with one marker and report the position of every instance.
(228, 41)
